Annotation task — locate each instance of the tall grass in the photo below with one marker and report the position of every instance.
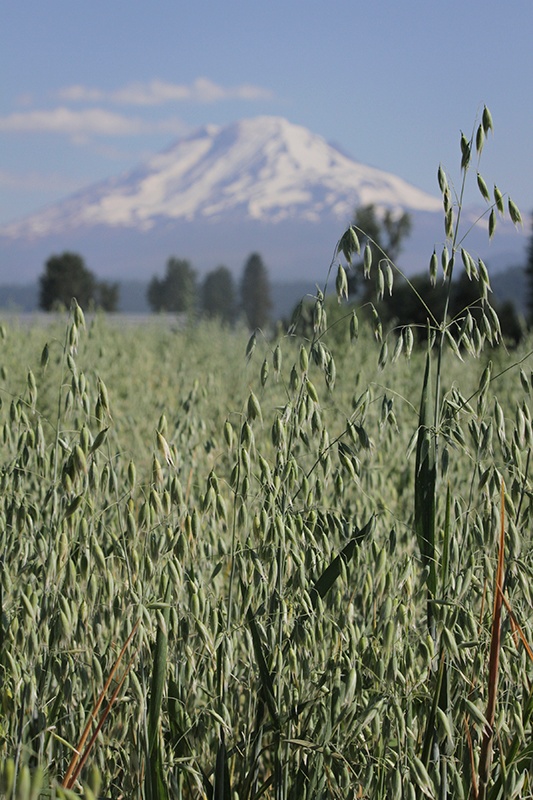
(303, 534)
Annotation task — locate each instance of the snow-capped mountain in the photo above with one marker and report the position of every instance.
(260, 184)
(263, 169)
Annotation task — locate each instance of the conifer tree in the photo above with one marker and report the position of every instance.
(176, 292)
(255, 292)
(66, 276)
(218, 294)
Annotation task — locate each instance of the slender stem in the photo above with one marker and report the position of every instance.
(444, 321)
(59, 403)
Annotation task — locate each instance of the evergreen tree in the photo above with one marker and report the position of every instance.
(66, 276)
(176, 292)
(218, 294)
(108, 294)
(255, 292)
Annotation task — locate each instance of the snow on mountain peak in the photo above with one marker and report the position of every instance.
(264, 168)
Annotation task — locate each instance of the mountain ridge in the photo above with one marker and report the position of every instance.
(263, 168)
(217, 194)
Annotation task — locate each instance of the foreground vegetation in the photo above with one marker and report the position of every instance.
(248, 567)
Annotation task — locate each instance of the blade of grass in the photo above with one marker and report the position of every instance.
(429, 737)
(425, 486)
(222, 788)
(267, 683)
(472, 760)
(158, 671)
(485, 759)
(324, 583)
(326, 580)
(155, 786)
(446, 744)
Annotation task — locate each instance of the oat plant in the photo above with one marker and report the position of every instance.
(303, 532)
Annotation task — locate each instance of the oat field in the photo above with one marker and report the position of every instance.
(251, 520)
(292, 566)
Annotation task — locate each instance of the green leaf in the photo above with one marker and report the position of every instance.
(155, 785)
(425, 477)
(332, 572)
(222, 788)
(267, 684)
(159, 671)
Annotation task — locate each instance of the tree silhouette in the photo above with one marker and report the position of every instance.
(176, 291)
(218, 295)
(255, 292)
(108, 294)
(66, 276)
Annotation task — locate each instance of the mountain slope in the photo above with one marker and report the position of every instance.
(263, 169)
(213, 197)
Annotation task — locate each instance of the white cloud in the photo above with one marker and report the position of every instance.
(84, 123)
(156, 92)
(63, 120)
(79, 93)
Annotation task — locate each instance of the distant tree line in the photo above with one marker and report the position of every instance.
(179, 291)
(217, 296)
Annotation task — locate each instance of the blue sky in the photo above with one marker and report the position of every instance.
(91, 89)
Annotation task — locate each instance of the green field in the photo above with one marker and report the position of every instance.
(294, 566)
(212, 512)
